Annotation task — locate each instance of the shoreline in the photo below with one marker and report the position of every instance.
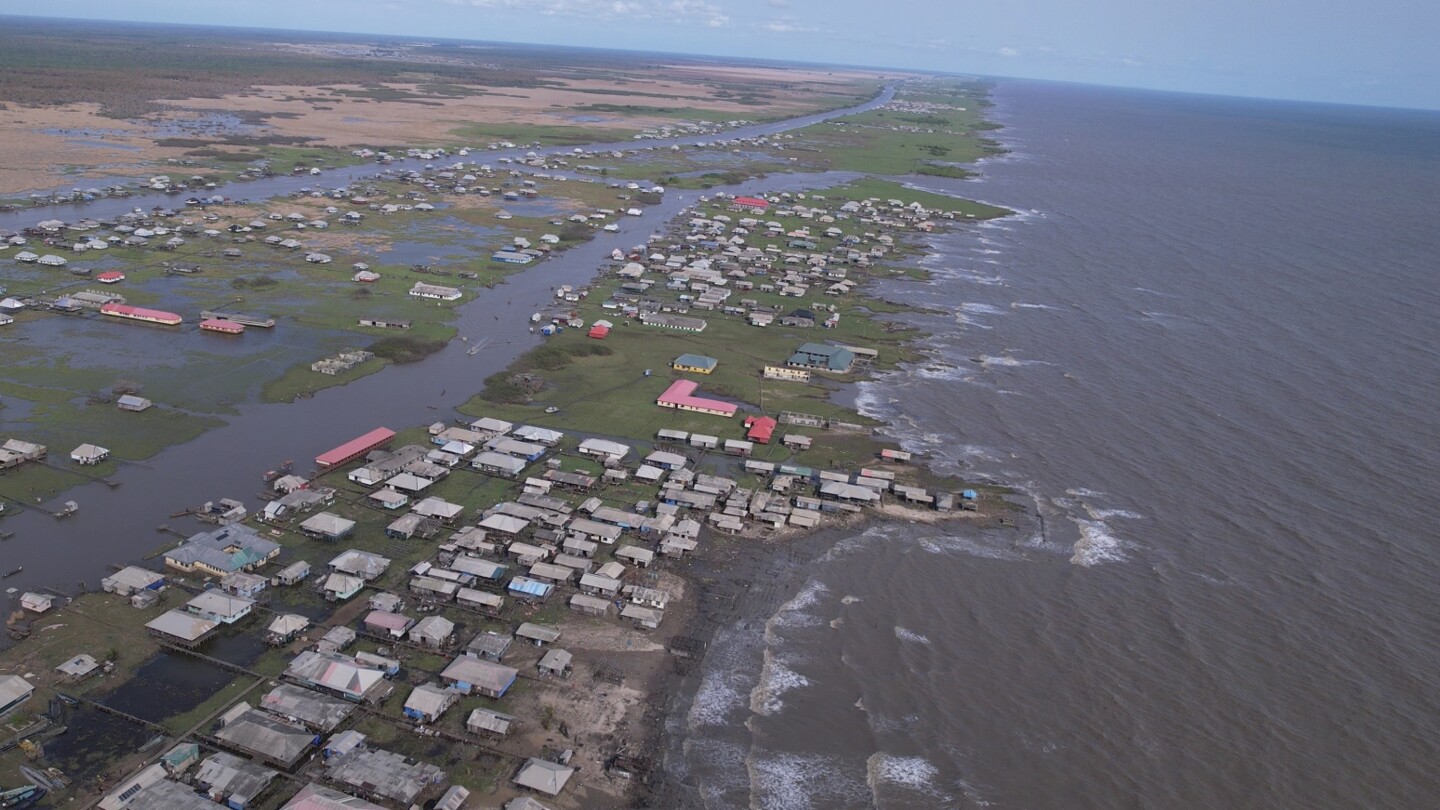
(779, 567)
(728, 581)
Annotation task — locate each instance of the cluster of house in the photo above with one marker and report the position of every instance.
(15, 452)
(298, 719)
(341, 362)
(722, 257)
(257, 751)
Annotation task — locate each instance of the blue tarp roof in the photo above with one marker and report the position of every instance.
(530, 587)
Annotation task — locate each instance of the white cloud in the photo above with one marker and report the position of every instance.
(1131, 62)
(778, 3)
(788, 25)
(1008, 51)
(674, 11)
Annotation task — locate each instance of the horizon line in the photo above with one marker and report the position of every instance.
(719, 56)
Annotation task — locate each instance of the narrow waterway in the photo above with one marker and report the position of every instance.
(118, 525)
(343, 176)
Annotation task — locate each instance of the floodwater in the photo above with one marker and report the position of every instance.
(1215, 386)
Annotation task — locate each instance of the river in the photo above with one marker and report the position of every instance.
(118, 525)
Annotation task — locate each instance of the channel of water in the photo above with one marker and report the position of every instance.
(118, 525)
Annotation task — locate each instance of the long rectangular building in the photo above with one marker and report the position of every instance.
(355, 448)
(140, 314)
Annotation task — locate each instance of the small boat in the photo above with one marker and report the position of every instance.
(22, 797)
(552, 409)
(473, 350)
(12, 572)
(38, 777)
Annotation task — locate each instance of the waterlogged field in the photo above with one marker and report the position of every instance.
(65, 369)
(216, 102)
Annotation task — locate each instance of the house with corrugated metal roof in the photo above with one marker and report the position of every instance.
(227, 779)
(469, 675)
(267, 738)
(223, 551)
(488, 721)
(429, 702)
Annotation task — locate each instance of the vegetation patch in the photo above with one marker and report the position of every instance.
(405, 349)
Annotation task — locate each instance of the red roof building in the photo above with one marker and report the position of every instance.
(222, 325)
(750, 204)
(681, 396)
(140, 314)
(599, 332)
(760, 428)
(110, 277)
(355, 448)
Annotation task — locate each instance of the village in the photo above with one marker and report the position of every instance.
(482, 606)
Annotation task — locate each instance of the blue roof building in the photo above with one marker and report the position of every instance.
(822, 357)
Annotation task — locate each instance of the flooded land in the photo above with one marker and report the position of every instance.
(348, 449)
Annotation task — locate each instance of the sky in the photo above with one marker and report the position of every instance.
(1382, 52)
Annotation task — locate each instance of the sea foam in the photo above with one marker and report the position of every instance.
(911, 773)
(1097, 544)
(794, 781)
(775, 680)
(910, 635)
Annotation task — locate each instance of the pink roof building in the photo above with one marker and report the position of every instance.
(355, 448)
(140, 314)
(681, 395)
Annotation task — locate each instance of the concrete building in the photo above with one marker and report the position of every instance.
(695, 363)
(822, 357)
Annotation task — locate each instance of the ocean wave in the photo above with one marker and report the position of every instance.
(808, 596)
(794, 781)
(1111, 514)
(775, 680)
(1152, 292)
(793, 614)
(721, 777)
(977, 308)
(849, 599)
(965, 320)
(1023, 305)
(717, 696)
(1097, 545)
(868, 400)
(1009, 361)
(941, 371)
(1082, 492)
(725, 685)
(910, 635)
(969, 546)
(912, 773)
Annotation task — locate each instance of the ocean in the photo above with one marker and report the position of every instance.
(1204, 354)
